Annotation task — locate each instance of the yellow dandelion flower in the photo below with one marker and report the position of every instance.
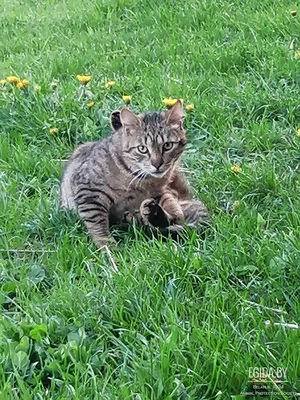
(109, 84)
(298, 132)
(297, 54)
(90, 104)
(84, 79)
(236, 203)
(235, 169)
(169, 102)
(126, 99)
(13, 79)
(25, 83)
(2, 82)
(293, 13)
(54, 85)
(189, 107)
(52, 131)
(20, 85)
(37, 88)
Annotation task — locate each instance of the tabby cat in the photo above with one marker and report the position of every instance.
(133, 174)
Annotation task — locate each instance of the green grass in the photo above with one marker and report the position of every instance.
(180, 321)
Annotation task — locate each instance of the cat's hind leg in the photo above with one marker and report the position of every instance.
(172, 208)
(195, 214)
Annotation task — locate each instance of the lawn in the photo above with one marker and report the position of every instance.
(179, 321)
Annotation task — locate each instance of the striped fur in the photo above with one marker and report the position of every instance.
(132, 174)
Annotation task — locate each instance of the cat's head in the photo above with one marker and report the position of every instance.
(152, 142)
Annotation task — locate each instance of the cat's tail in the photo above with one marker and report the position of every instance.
(196, 218)
(195, 213)
(179, 231)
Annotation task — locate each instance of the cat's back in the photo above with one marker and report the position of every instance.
(86, 151)
(82, 162)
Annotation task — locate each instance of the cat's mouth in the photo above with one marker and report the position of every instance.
(157, 174)
(150, 174)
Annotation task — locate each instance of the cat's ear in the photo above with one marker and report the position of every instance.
(115, 120)
(175, 114)
(129, 119)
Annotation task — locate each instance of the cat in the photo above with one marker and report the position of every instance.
(133, 174)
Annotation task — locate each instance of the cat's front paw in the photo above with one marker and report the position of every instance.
(147, 208)
(102, 241)
(152, 214)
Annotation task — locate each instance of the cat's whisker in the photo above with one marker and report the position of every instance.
(141, 178)
(183, 169)
(134, 172)
(135, 177)
(144, 176)
(132, 180)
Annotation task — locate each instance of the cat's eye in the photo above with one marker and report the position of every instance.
(142, 149)
(168, 146)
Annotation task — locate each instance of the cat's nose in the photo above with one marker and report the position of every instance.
(157, 163)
